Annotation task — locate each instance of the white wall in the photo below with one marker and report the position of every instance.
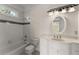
(11, 35)
(78, 22)
(71, 21)
(40, 22)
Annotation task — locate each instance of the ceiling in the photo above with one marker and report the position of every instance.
(33, 5)
(30, 7)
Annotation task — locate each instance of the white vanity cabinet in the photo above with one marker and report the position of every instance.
(75, 49)
(44, 46)
(53, 47)
(62, 48)
(58, 48)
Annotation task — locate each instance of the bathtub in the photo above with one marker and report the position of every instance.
(17, 51)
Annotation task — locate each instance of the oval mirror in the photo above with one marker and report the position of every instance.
(58, 25)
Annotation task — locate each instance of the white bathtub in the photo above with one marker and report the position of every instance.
(17, 51)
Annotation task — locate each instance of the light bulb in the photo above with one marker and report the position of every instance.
(63, 11)
(56, 12)
(72, 9)
(50, 13)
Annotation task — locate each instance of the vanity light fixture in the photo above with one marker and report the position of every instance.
(56, 11)
(64, 10)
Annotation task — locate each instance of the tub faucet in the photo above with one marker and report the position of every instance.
(25, 36)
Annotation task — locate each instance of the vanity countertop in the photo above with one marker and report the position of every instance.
(63, 39)
(67, 40)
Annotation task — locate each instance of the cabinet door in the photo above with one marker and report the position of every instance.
(52, 47)
(63, 48)
(75, 49)
(43, 46)
(58, 48)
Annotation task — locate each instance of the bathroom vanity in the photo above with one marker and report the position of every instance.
(64, 46)
(51, 46)
(64, 38)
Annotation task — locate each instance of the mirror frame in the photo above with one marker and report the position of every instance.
(65, 24)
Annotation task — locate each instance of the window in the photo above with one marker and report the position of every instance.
(4, 10)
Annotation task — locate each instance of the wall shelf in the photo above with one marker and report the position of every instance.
(13, 22)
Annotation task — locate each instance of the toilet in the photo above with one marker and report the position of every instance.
(29, 49)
